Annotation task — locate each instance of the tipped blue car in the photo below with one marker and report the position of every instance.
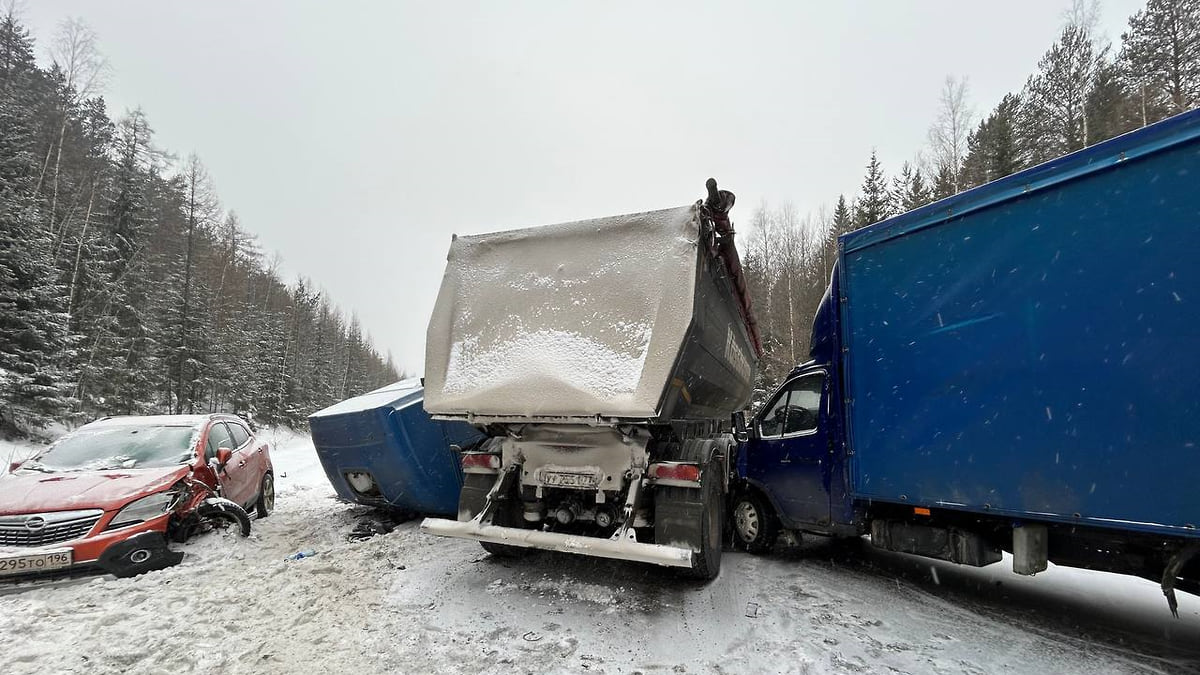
(382, 449)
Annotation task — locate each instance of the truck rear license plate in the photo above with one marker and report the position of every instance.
(570, 480)
(34, 562)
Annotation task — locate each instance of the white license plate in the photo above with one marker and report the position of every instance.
(34, 562)
(570, 480)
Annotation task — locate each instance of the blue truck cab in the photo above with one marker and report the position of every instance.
(1015, 368)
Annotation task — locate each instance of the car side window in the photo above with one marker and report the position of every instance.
(796, 409)
(804, 405)
(240, 435)
(770, 425)
(218, 437)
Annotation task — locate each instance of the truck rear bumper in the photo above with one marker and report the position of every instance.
(658, 554)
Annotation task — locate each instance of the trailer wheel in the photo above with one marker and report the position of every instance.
(754, 523)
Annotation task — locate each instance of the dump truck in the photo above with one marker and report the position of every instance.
(1011, 369)
(604, 359)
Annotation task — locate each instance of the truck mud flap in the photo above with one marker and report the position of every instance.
(617, 549)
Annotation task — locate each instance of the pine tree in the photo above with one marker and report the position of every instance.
(843, 220)
(993, 148)
(33, 328)
(909, 190)
(1161, 56)
(1110, 109)
(874, 202)
(1053, 120)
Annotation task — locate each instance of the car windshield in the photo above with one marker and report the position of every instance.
(118, 447)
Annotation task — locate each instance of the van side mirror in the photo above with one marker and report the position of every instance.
(740, 431)
(223, 457)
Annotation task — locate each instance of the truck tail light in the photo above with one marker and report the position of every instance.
(480, 462)
(675, 473)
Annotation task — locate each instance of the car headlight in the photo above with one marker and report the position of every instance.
(146, 508)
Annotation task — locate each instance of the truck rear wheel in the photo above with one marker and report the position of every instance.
(506, 514)
(694, 519)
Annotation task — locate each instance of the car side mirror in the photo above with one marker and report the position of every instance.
(14, 466)
(223, 457)
(741, 432)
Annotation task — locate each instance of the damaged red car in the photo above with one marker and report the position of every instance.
(114, 494)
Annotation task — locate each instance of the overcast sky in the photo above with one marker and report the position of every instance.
(354, 138)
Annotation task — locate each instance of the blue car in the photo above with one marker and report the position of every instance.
(382, 449)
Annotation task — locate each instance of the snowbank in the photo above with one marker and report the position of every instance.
(297, 466)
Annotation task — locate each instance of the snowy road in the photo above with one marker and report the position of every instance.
(407, 602)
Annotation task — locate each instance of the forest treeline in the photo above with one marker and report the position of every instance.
(1083, 91)
(124, 286)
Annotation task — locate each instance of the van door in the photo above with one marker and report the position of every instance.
(789, 451)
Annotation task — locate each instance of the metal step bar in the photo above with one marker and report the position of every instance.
(618, 549)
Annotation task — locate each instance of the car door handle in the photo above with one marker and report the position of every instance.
(242, 463)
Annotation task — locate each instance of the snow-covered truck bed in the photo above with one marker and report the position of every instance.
(628, 317)
(604, 358)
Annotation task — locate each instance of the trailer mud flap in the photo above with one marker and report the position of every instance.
(617, 549)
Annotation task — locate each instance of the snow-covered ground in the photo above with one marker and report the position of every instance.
(407, 602)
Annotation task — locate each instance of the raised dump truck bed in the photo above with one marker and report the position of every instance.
(626, 318)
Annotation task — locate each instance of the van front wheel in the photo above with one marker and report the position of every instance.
(754, 524)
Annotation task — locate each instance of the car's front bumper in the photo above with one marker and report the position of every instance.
(127, 551)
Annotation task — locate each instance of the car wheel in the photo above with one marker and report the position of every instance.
(754, 523)
(266, 497)
(222, 514)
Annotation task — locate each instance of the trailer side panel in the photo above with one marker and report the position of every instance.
(1037, 356)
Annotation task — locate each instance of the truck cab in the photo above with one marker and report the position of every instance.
(792, 463)
(791, 466)
(789, 453)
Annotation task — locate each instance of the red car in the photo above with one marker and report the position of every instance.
(113, 493)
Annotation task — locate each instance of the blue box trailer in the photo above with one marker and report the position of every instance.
(382, 449)
(1014, 368)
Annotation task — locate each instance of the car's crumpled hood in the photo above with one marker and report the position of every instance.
(35, 492)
